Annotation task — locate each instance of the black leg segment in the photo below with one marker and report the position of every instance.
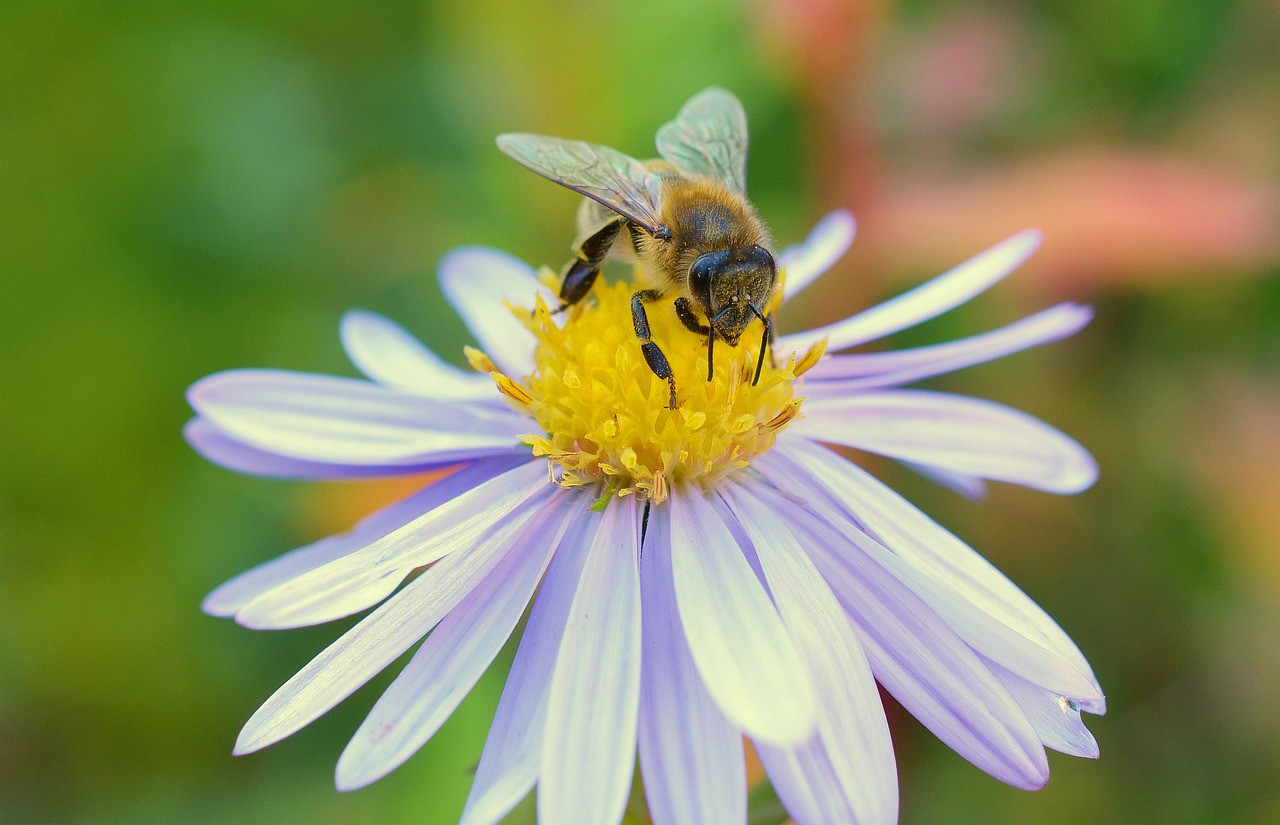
(684, 311)
(766, 340)
(652, 354)
(690, 320)
(589, 255)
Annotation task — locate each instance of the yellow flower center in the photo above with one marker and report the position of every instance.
(604, 415)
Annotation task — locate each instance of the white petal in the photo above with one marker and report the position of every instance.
(807, 784)
(970, 436)
(947, 291)
(986, 609)
(690, 754)
(364, 650)
(826, 244)
(1055, 718)
(588, 749)
(509, 765)
(453, 657)
(737, 639)
(846, 373)
(363, 578)
(234, 594)
(480, 283)
(919, 659)
(226, 451)
(851, 720)
(342, 420)
(385, 352)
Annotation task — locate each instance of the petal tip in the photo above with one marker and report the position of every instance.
(216, 605)
(464, 261)
(840, 223)
(1035, 782)
(355, 315)
(199, 392)
(349, 774)
(1029, 239)
(356, 321)
(247, 743)
(1079, 475)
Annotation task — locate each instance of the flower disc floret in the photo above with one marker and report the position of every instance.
(603, 412)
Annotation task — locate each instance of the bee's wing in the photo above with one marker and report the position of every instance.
(616, 180)
(709, 138)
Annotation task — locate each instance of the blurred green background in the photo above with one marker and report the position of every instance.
(189, 187)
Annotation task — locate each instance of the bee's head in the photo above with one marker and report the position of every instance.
(729, 284)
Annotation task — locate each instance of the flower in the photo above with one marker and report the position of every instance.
(701, 573)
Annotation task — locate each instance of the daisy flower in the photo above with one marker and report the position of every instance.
(692, 576)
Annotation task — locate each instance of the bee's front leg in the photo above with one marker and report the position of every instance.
(766, 341)
(589, 254)
(684, 311)
(652, 355)
(766, 344)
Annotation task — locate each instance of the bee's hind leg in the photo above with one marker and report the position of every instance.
(589, 254)
(652, 355)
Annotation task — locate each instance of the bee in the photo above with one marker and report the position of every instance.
(685, 218)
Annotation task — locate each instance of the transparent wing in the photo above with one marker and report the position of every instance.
(709, 138)
(618, 181)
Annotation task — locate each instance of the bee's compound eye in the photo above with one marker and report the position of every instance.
(702, 274)
(757, 257)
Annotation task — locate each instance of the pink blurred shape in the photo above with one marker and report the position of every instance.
(1110, 216)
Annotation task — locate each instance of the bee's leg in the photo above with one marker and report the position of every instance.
(687, 317)
(652, 355)
(766, 341)
(589, 254)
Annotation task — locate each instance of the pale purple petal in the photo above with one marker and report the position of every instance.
(691, 756)
(967, 486)
(509, 765)
(930, 299)
(366, 576)
(986, 609)
(481, 282)
(453, 657)
(916, 655)
(806, 782)
(741, 648)
(379, 639)
(851, 720)
(345, 421)
(1056, 718)
(388, 354)
(588, 748)
(226, 451)
(860, 371)
(970, 436)
(827, 242)
(234, 594)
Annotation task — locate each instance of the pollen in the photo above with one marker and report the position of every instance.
(601, 413)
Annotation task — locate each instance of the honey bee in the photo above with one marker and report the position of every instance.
(684, 218)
